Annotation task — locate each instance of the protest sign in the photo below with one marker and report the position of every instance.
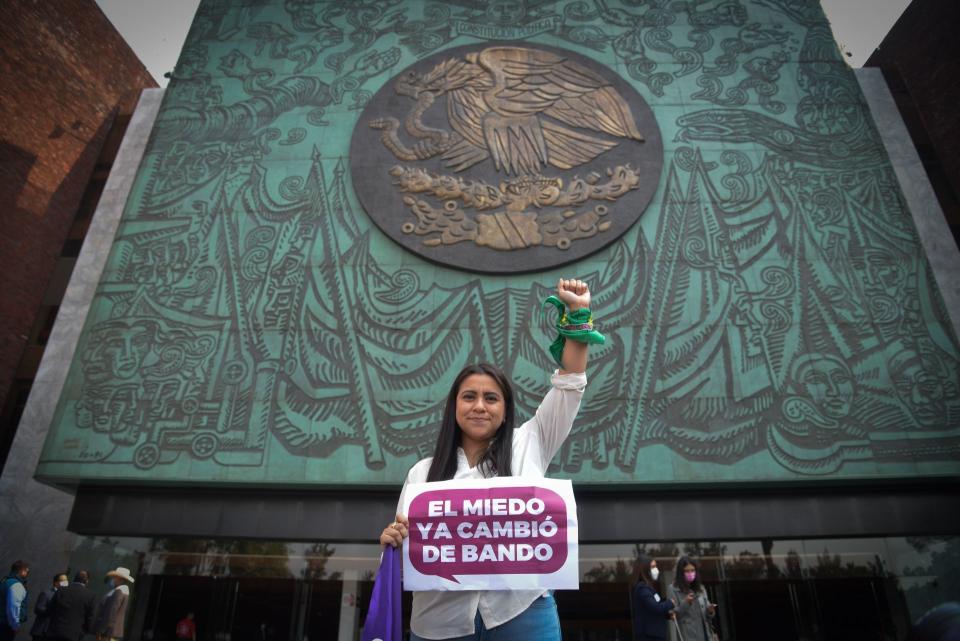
(504, 533)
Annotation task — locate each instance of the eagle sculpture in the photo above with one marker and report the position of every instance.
(524, 108)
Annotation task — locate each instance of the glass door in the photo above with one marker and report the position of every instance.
(212, 602)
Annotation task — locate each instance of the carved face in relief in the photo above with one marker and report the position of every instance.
(145, 348)
(924, 386)
(506, 158)
(118, 349)
(886, 271)
(136, 366)
(827, 382)
(108, 408)
(506, 12)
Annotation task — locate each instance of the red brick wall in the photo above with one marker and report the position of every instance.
(64, 70)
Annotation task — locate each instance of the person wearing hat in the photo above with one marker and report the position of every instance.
(108, 624)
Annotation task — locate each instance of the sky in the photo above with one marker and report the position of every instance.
(156, 30)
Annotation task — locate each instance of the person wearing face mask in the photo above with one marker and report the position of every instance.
(108, 624)
(650, 612)
(71, 610)
(42, 608)
(694, 610)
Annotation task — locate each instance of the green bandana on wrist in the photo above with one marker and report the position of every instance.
(576, 325)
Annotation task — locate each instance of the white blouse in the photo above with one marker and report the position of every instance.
(439, 614)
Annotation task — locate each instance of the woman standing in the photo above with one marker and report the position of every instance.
(694, 610)
(649, 610)
(477, 440)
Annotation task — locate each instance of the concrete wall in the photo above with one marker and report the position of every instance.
(927, 214)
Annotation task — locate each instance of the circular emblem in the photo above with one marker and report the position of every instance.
(507, 158)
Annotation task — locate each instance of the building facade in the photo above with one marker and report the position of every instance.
(340, 207)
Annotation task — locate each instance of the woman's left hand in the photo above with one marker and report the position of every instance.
(396, 532)
(574, 293)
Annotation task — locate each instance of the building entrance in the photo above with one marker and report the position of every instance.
(842, 609)
(247, 609)
(270, 609)
(790, 590)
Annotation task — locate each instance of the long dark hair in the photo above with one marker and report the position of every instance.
(641, 572)
(680, 582)
(497, 459)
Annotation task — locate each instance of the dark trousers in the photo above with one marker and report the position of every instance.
(6, 632)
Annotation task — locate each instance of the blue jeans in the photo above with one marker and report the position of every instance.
(539, 622)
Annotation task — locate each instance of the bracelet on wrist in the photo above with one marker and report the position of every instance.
(575, 325)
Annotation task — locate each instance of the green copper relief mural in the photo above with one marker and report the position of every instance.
(271, 311)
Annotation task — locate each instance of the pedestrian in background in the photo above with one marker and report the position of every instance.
(694, 610)
(649, 610)
(71, 611)
(108, 623)
(13, 593)
(187, 628)
(42, 608)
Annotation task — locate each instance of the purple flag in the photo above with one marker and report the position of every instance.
(384, 616)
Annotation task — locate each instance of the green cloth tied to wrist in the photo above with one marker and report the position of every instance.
(576, 325)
